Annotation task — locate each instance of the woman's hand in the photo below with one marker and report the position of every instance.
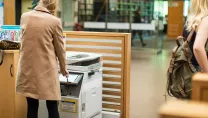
(65, 73)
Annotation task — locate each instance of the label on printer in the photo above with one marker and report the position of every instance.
(68, 106)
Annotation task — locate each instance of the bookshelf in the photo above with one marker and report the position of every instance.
(124, 10)
(92, 10)
(85, 10)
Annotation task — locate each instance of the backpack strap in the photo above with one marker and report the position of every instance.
(190, 35)
(172, 59)
(188, 52)
(169, 82)
(170, 69)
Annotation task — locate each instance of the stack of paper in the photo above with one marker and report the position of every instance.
(71, 79)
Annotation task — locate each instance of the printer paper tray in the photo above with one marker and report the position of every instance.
(68, 83)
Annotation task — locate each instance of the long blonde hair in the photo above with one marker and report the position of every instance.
(198, 10)
(51, 5)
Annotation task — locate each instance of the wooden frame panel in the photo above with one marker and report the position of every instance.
(112, 86)
(127, 66)
(112, 58)
(112, 72)
(112, 65)
(111, 79)
(119, 66)
(113, 93)
(108, 99)
(9, 12)
(93, 44)
(200, 87)
(94, 51)
(184, 109)
(111, 106)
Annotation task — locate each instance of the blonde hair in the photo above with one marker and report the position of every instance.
(198, 10)
(51, 5)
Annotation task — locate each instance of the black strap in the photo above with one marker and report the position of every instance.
(2, 57)
(42, 11)
(190, 35)
(169, 82)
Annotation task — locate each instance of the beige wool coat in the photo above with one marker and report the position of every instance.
(42, 45)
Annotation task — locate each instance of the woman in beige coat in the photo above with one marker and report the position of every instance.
(42, 44)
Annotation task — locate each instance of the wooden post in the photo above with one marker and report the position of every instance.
(184, 109)
(200, 87)
(126, 85)
(9, 12)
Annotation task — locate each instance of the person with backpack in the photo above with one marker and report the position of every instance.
(198, 21)
(190, 56)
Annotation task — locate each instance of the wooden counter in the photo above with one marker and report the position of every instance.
(200, 87)
(184, 109)
(12, 105)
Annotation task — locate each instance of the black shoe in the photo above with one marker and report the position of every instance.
(159, 52)
(144, 44)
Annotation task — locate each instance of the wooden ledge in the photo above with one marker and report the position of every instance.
(200, 87)
(184, 109)
(200, 77)
(11, 51)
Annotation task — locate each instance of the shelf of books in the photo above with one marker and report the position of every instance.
(125, 8)
(85, 11)
(90, 10)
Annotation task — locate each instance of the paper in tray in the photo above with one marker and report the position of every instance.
(71, 79)
(74, 78)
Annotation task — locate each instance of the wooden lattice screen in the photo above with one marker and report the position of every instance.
(116, 51)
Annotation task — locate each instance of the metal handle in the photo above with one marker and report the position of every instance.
(2, 57)
(11, 70)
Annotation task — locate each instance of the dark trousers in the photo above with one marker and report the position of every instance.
(33, 105)
(140, 34)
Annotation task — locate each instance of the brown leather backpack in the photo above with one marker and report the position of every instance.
(181, 70)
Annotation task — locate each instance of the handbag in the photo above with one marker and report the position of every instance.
(8, 45)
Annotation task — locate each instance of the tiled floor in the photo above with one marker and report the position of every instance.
(148, 83)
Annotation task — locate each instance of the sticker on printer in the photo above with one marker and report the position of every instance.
(68, 106)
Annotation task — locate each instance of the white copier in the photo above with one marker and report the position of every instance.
(82, 91)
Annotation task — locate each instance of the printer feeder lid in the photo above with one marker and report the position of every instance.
(74, 57)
